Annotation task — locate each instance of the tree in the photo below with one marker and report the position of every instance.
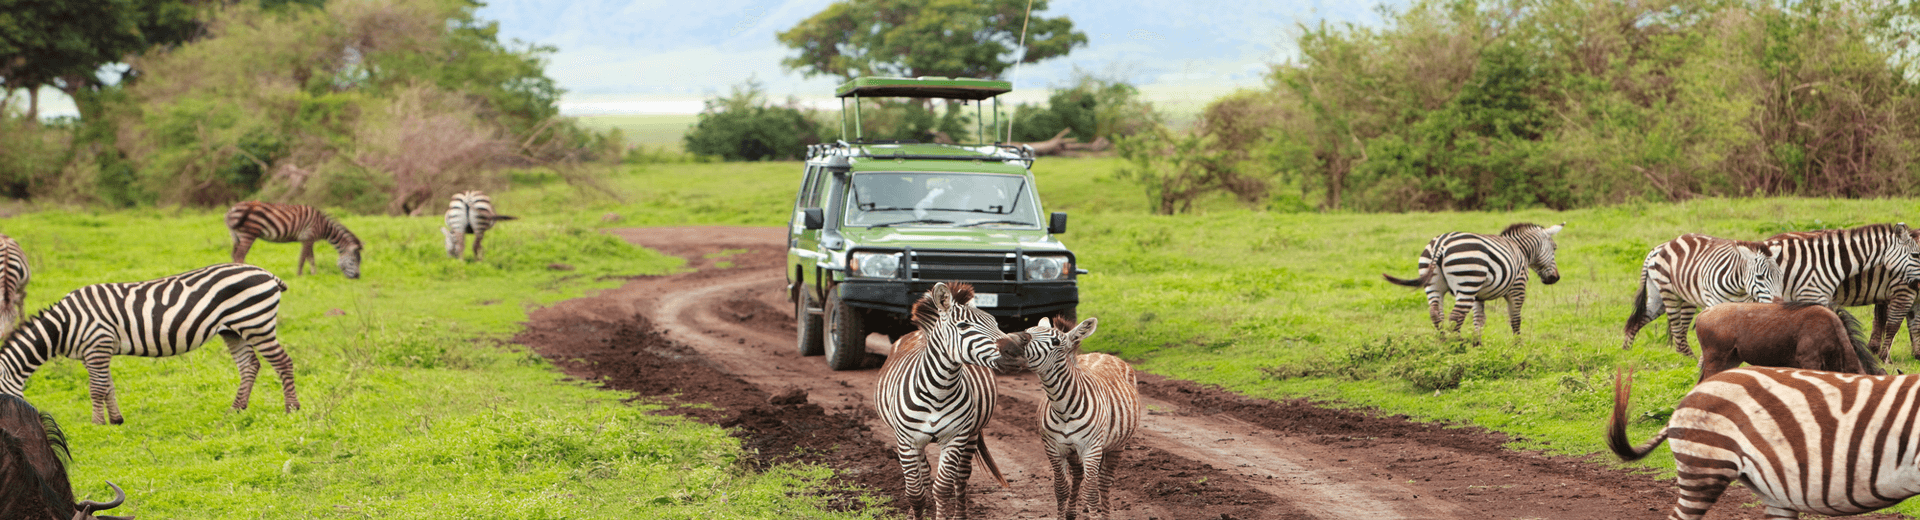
(911, 38)
(42, 42)
(744, 127)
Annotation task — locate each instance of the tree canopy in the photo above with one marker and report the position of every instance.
(911, 38)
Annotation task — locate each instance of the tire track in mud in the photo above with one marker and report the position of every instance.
(1202, 452)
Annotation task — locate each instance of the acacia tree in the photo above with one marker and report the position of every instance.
(954, 38)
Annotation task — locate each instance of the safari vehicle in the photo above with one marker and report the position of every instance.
(877, 222)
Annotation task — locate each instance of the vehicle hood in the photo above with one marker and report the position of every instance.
(985, 239)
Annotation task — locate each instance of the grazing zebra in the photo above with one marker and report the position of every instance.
(1694, 272)
(1478, 268)
(252, 220)
(1092, 409)
(1805, 441)
(470, 213)
(13, 283)
(155, 318)
(937, 388)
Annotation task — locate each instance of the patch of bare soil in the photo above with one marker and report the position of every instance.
(716, 344)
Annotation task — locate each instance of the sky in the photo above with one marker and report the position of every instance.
(665, 56)
(655, 56)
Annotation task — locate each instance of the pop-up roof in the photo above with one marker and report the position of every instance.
(924, 87)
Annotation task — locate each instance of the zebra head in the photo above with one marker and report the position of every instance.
(955, 329)
(1051, 343)
(1763, 274)
(350, 262)
(1538, 243)
(1903, 253)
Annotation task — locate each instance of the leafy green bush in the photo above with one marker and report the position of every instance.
(1093, 108)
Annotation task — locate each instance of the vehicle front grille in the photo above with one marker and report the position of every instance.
(962, 265)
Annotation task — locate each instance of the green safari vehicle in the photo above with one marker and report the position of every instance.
(877, 222)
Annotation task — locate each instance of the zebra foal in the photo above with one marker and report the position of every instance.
(13, 283)
(155, 318)
(1805, 441)
(469, 213)
(1694, 272)
(937, 388)
(1477, 268)
(253, 220)
(1092, 408)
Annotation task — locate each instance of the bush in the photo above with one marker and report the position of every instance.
(1093, 108)
(743, 127)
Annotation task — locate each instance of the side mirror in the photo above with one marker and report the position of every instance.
(1057, 224)
(812, 218)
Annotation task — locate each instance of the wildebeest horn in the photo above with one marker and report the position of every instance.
(89, 506)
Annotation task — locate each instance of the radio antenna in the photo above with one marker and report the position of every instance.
(1016, 64)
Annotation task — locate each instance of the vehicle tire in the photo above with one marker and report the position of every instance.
(846, 342)
(808, 325)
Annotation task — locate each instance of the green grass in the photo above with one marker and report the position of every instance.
(1284, 305)
(650, 131)
(414, 407)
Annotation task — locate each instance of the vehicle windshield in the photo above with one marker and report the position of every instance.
(940, 199)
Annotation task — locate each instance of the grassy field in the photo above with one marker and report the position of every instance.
(413, 405)
(649, 131)
(1292, 305)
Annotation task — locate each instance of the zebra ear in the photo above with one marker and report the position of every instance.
(942, 297)
(1081, 331)
(1555, 229)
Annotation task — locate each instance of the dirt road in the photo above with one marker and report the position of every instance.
(723, 335)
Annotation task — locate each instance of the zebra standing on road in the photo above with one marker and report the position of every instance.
(1694, 272)
(470, 213)
(13, 283)
(155, 318)
(1478, 268)
(1092, 409)
(252, 220)
(1805, 441)
(937, 388)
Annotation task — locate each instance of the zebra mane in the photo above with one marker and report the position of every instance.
(1517, 227)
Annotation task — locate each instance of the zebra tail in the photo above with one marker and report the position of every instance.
(1646, 306)
(1617, 425)
(1418, 281)
(1857, 336)
(498, 218)
(987, 458)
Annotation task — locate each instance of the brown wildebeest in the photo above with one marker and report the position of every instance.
(33, 476)
(1789, 335)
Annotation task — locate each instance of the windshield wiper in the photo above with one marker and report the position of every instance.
(984, 222)
(919, 221)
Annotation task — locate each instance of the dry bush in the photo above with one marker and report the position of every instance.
(430, 147)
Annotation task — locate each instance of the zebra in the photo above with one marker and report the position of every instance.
(155, 318)
(1875, 285)
(1694, 272)
(1814, 265)
(1092, 409)
(1805, 441)
(1478, 268)
(250, 220)
(937, 388)
(14, 275)
(470, 212)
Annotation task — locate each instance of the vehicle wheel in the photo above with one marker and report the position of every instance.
(846, 335)
(808, 325)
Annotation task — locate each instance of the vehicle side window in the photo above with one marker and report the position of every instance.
(807, 188)
(815, 192)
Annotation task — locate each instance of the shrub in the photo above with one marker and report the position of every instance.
(1094, 108)
(743, 127)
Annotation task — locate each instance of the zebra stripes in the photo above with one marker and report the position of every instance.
(1694, 272)
(1092, 408)
(1874, 285)
(250, 220)
(1479, 268)
(470, 213)
(1813, 265)
(937, 388)
(14, 275)
(1805, 441)
(155, 318)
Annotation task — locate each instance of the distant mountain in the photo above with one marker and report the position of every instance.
(618, 49)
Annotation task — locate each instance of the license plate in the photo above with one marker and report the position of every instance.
(986, 300)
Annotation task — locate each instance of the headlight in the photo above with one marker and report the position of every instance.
(875, 265)
(1048, 267)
